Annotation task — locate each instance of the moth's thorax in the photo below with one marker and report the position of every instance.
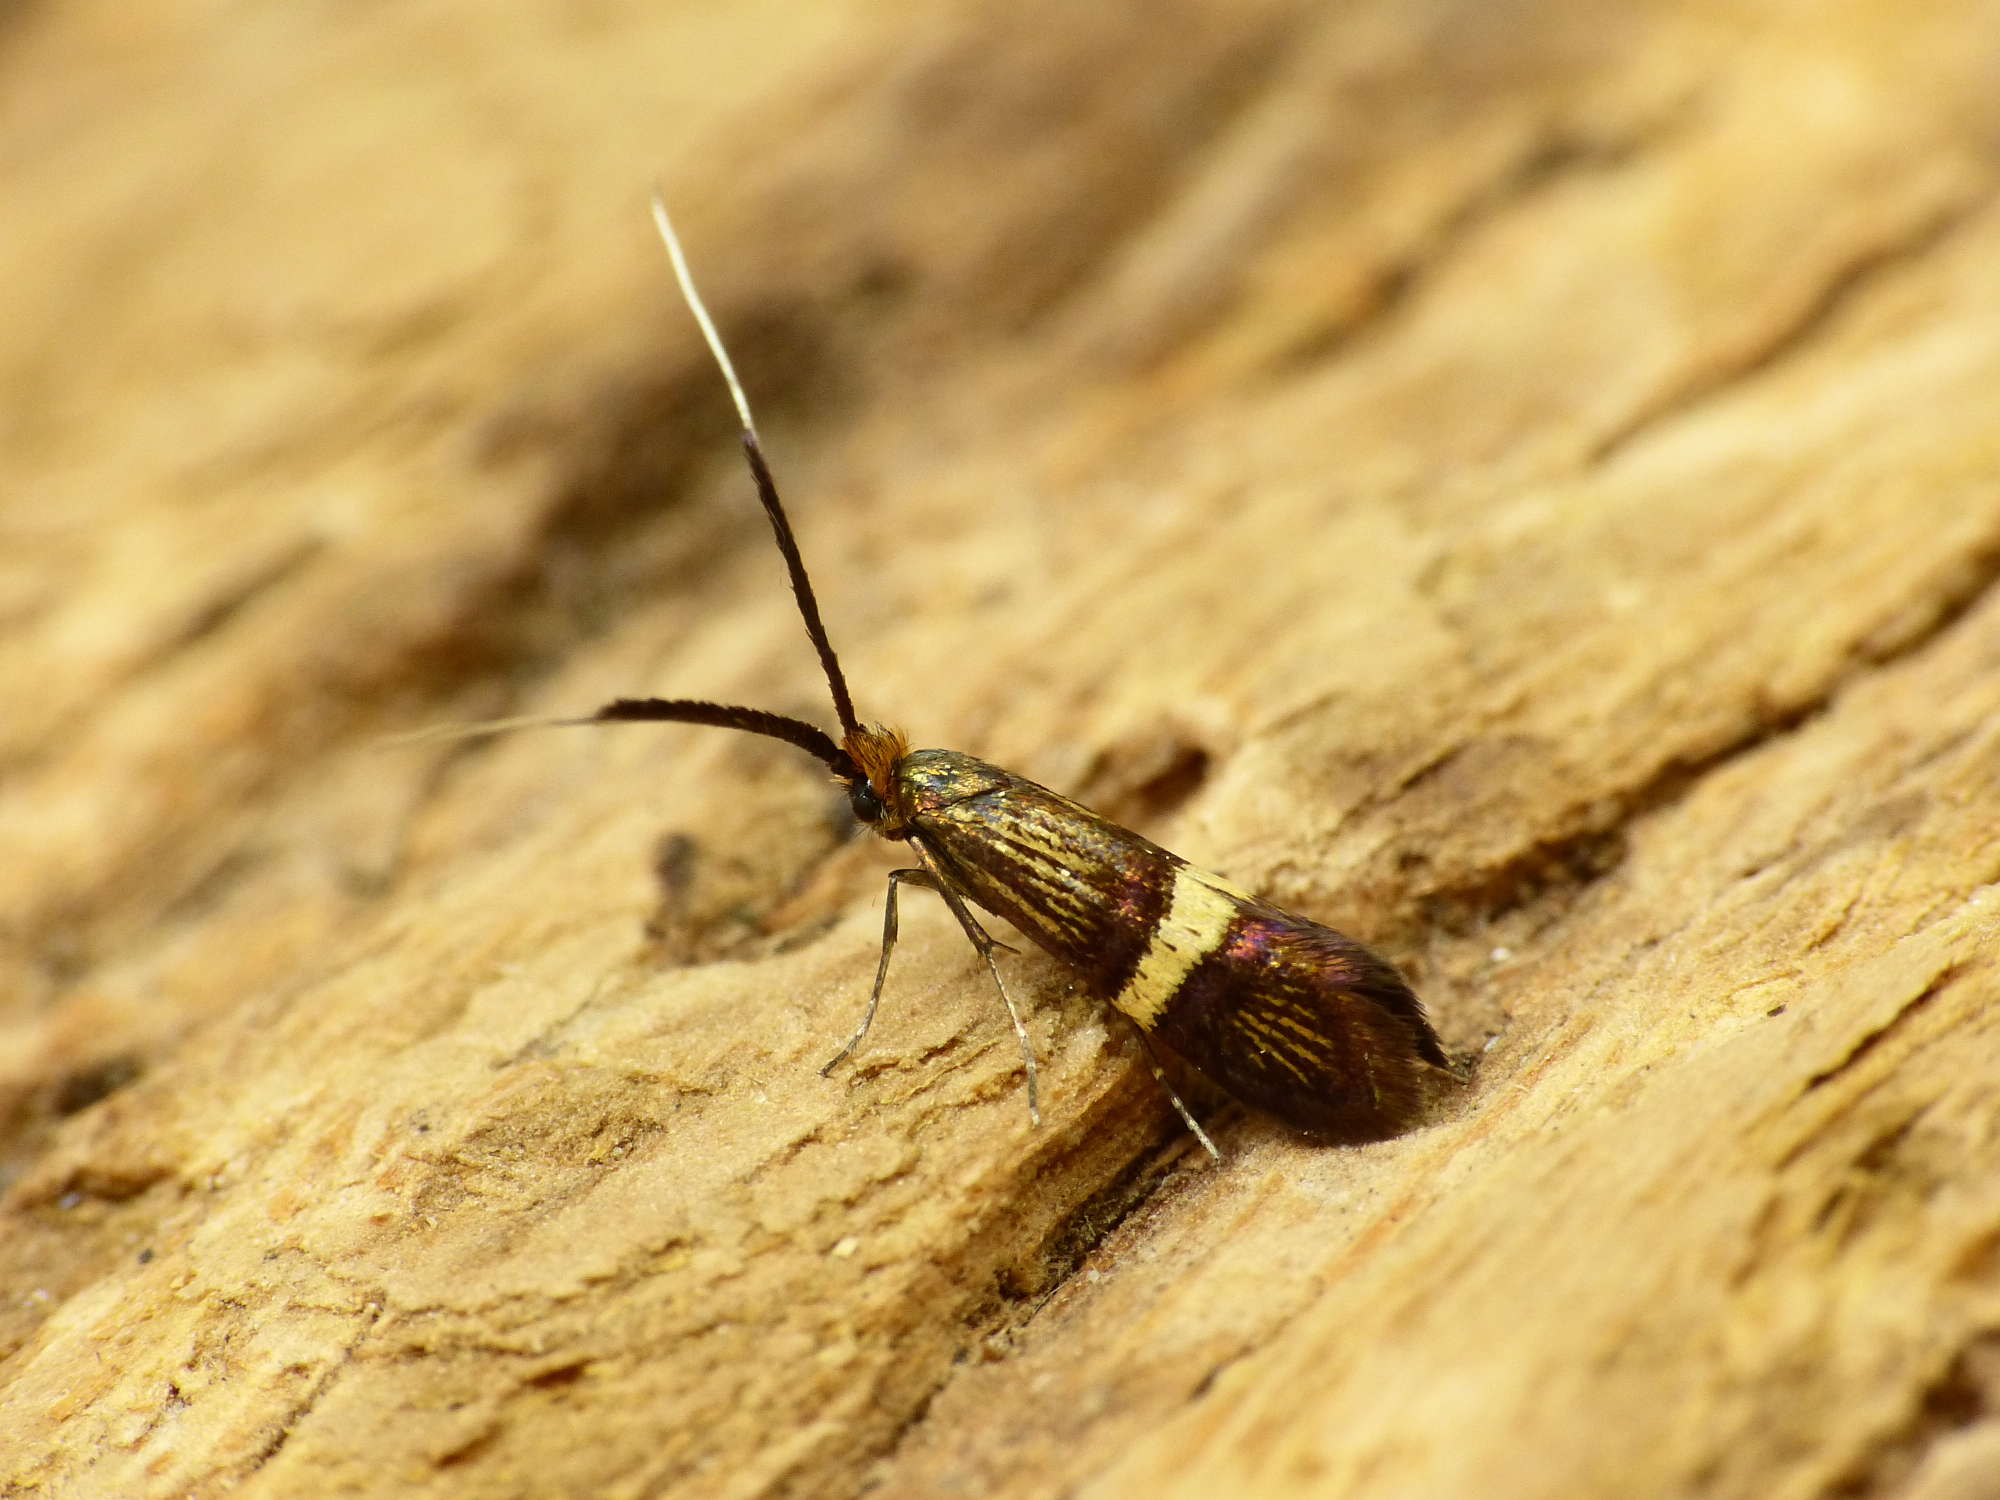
(929, 781)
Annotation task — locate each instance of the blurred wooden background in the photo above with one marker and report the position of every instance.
(1520, 482)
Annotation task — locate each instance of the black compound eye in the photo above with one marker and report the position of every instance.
(867, 806)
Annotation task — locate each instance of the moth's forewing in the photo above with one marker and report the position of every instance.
(1287, 1015)
(1080, 887)
(1306, 1023)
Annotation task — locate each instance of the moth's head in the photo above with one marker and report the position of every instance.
(871, 791)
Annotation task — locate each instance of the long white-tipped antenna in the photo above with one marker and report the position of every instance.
(767, 487)
(695, 305)
(810, 738)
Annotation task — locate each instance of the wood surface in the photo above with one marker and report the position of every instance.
(1520, 482)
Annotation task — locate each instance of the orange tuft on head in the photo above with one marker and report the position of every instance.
(876, 750)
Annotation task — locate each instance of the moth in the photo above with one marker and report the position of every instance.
(1288, 1016)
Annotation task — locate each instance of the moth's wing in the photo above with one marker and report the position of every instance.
(1077, 885)
(1306, 1024)
(1292, 1017)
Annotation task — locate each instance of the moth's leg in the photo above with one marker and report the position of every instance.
(896, 878)
(1160, 1073)
(985, 944)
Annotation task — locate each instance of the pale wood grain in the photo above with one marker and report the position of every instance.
(1518, 483)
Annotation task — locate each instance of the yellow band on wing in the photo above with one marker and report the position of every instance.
(1196, 918)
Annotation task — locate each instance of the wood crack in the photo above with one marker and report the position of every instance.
(1845, 285)
(1590, 842)
(1555, 156)
(1875, 1038)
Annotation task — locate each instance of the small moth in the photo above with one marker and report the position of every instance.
(1288, 1016)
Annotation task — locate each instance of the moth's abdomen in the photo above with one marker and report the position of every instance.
(1289, 1016)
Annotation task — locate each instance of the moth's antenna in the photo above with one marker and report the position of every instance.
(810, 738)
(767, 489)
(695, 305)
